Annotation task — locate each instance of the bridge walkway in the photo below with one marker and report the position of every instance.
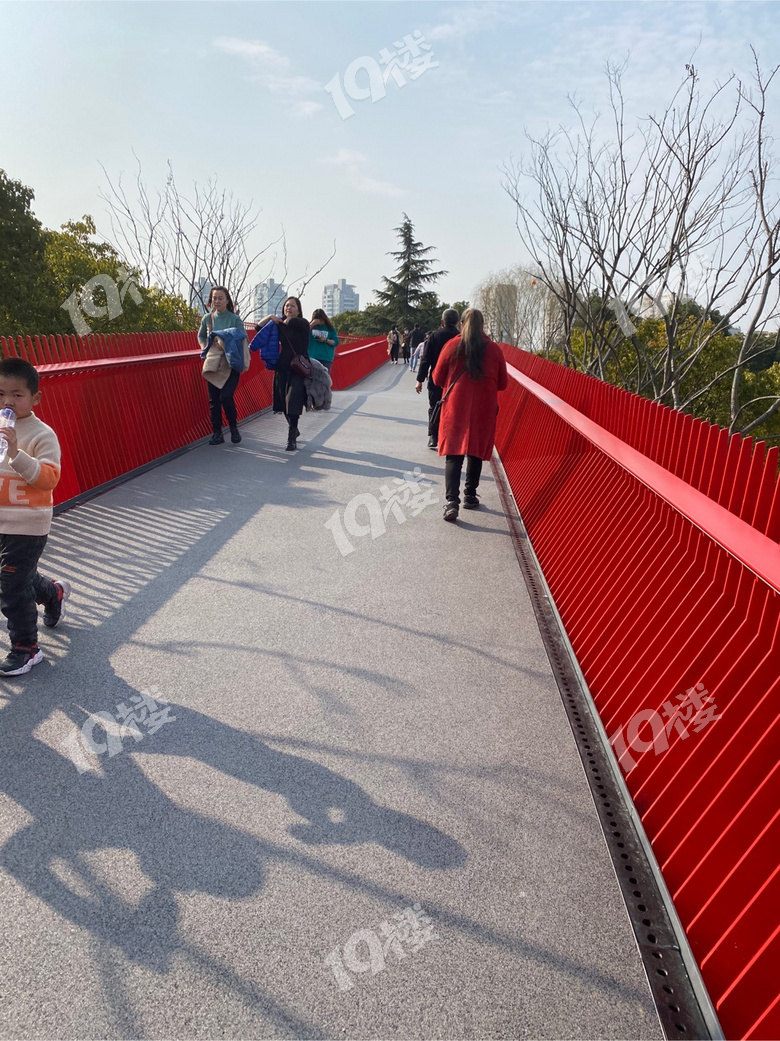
(348, 736)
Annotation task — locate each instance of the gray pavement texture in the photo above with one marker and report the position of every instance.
(351, 736)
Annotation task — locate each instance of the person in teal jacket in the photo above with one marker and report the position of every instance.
(323, 339)
(221, 316)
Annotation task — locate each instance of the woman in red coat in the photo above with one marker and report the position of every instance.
(475, 369)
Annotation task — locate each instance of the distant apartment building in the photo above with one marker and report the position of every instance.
(199, 295)
(500, 307)
(268, 298)
(339, 297)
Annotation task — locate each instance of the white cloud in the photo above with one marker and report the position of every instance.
(306, 108)
(465, 21)
(344, 156)
(252, 50)
(369, 185)
(268, 66)
(287, 84)
(372, 186)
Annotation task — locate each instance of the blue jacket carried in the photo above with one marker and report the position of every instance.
(267, 342)
(233, 340)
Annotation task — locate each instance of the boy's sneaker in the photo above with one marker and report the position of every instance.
(235, 436)
(470, 502)
(54, 611)
(217, 439)
(20, 660)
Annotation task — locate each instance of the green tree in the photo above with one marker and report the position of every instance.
(407, 295)
(27, 300)
(764, 352)
(431, 308)
(373, 320)
(99, 294)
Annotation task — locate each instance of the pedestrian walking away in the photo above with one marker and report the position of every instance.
(471, 370)
(29, 473)
(289, 390)
(393, 345)
(224, 359)
(323, 339)
(416, 337)
(407, 345)
(418, 353)
(430, 356)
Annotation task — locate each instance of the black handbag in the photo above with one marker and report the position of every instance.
(436, 414)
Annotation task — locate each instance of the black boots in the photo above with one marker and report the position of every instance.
(292, 434)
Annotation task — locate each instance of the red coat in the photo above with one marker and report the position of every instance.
(468, 416)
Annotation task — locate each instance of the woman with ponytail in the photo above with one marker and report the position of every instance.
(471, 370)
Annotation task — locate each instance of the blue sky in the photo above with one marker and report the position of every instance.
(237, 90)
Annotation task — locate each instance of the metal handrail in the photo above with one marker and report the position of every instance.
(738, 538)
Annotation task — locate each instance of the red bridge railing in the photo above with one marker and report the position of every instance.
(121, 402)
(356, 360)
(658, 537)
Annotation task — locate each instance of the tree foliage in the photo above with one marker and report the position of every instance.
(75, 260)
(406, 297)
(405, 300)
(27, 299)
(64, 281)
(374, 320)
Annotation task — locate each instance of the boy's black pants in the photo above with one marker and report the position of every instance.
(222, 398)
(21, 587)
(452, 471)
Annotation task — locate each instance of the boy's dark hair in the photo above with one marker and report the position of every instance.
(19, 369)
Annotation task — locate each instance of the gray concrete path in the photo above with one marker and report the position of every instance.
(348, 736)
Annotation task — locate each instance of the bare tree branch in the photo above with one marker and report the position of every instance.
(625, 225)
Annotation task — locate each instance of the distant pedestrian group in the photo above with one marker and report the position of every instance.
(465, 371)
(305, 351)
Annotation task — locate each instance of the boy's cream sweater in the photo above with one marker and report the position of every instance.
(26, 484)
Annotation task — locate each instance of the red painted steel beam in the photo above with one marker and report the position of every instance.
(107, 363)
(756, 551)
(363, 347)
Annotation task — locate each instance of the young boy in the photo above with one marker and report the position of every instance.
(29, 472)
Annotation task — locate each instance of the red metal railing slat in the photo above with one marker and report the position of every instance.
(657, 535)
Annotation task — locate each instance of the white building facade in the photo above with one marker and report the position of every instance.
(199, 295)
(339, 297)
(268, 298)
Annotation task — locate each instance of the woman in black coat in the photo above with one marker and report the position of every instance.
(289, 387)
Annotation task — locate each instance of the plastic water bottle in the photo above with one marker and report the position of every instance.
(7, 419)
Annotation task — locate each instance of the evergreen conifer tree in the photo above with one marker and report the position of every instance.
(404, 293)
